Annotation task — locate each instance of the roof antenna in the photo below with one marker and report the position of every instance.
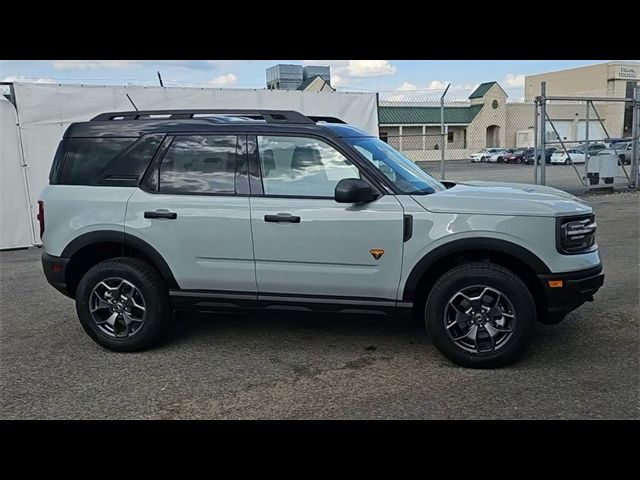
(134, 105)
(160, 79)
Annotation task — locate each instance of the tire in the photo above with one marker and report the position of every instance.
(149, 309)
(514, 295)
(566, 162)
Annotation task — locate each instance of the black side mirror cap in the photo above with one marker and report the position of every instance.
(354, 190)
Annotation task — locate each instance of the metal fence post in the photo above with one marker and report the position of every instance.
(535, 142)
(543, 133)
(586, 141)
(635, 133)
(442, 133)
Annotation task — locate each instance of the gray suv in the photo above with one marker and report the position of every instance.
(148, 212)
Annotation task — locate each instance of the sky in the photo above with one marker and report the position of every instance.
(394, 79)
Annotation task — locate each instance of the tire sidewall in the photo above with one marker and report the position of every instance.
(156, 308)
(516, 292)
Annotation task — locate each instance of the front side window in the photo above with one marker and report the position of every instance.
(402, 172)
(300, 166)
(200, 164)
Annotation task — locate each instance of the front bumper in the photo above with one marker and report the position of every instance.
(55, 269)
(577, 288)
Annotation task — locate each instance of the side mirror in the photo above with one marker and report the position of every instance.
(354, 190)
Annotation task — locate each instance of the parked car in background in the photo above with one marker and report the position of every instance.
(484, 154)
(498, 157)
(566, 158)
(576, 154)
(623, 150)
(610, 142)
(517, 156)
(528, 158)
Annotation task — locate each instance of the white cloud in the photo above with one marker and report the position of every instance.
(350, 71)
(514, 81)
(407, 86)
(228, 79)
(428, 93)
(338, 80)
(370, 68)
(437, 85)
(22, 78)
(92, 64)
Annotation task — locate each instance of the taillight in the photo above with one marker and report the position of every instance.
(40, 216)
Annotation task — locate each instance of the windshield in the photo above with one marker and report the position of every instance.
(402, 172)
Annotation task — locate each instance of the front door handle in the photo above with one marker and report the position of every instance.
(161, 213)
(282, 217)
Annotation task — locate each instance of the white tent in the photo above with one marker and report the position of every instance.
(30, 132)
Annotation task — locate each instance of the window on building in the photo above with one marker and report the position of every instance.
(200, 164)
(450, 136)
(384, 136)
(299, 166)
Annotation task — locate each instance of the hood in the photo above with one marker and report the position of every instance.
(496, 198)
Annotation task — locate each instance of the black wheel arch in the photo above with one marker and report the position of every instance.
(85, 250)
(431, 266)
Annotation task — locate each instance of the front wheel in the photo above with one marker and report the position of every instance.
(480, 315)
(123, 304)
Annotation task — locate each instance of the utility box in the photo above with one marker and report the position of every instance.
(602, 166)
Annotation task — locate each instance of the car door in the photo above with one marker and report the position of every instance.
(193, 209)
(307, 246)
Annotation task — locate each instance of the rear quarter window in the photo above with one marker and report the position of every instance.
(86, 158)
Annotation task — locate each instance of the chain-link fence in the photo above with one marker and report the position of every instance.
(593, 141)
(487, 138)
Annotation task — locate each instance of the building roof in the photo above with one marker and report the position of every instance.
(423, 115)
(482, 90)
(304, 85)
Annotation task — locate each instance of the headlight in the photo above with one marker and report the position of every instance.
(576, 234)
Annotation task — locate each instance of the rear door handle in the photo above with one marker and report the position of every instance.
(161, 213)
(282, 217)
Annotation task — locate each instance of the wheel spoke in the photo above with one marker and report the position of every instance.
(128, 319)
(493, 330)
(102, 304)
(136, 304)
(472, 335)
(111, 320)
(492, 302)
(456, 303)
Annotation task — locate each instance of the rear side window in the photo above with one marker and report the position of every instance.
(87, 157)
(129, 167)
(200, 164)
(54, 173)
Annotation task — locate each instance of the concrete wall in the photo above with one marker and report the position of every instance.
(477, 131)
(603, 79)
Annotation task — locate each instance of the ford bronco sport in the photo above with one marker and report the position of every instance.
(148, 212)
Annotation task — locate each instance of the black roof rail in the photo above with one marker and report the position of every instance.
(270, 116)
(316, 118)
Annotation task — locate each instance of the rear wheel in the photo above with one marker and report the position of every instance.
(123, 304)
(480, 315)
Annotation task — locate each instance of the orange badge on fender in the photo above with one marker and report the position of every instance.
(376, 252)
